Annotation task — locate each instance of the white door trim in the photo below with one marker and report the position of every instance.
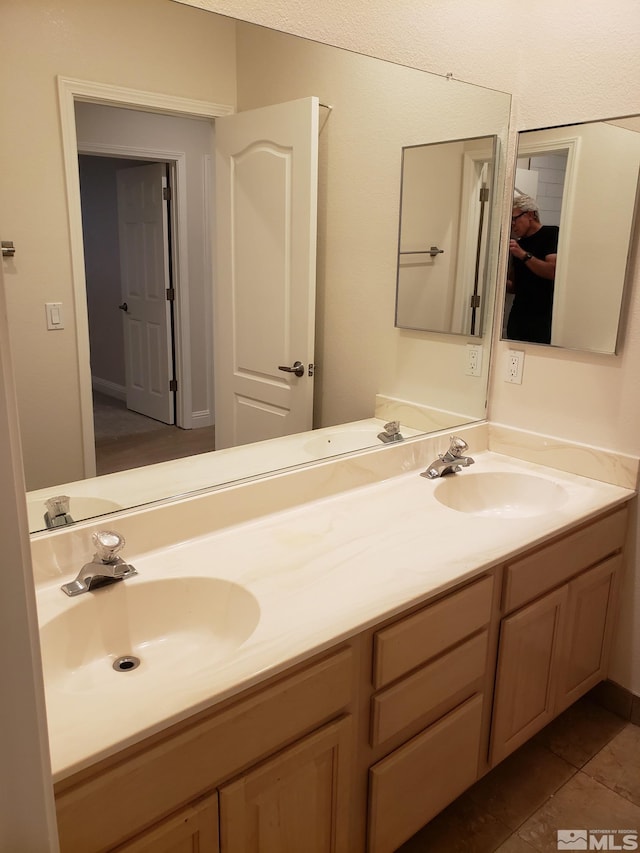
(473, 163)
(570, 144)
(69, 91)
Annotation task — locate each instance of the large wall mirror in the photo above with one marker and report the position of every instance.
(368, 111)
(584, 181)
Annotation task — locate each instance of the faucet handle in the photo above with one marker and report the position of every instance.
(458, 445)
(107, 543)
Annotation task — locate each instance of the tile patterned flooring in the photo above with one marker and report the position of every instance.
(581, 772)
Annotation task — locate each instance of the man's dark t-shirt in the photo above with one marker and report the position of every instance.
(530, 315)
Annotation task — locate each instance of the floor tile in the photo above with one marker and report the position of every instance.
(520, 784)
(463, 827)
(580, 732)
(515, 844)
(617, 765)
(581, 804)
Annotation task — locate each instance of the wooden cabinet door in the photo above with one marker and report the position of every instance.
(587, 630)
(527, 670)
(193, 829)
(297, 800)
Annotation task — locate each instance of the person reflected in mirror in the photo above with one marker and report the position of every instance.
(532, 269)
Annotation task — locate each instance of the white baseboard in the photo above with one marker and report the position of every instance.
(111, 389)
(202, 419)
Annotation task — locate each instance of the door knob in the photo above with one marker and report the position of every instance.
(123, 307)
(298, 368)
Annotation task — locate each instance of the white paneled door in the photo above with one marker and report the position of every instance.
(144, 266)
(266, 214)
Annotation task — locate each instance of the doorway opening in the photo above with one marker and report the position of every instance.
(133, 424)
(98, 120)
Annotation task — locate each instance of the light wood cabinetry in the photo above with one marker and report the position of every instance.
(361, 746)
(99, 809)
(298, 800)
(192, 830)
(422, 777)
(527, 667)
(554, 649)
(434, 669)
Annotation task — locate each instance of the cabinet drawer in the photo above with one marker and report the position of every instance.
(417, 781)
(148, 785)
(436, 688)
(420, 637)
(554, 564)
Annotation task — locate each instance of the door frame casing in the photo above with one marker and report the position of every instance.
(71, 90)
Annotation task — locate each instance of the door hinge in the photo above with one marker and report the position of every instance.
(484, 194)
(173, 385)
(171, 294)
(475, 302)
(166, 193)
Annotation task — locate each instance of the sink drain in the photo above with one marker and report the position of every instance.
(126, 663)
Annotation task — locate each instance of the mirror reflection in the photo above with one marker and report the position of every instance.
(572, 225)
(445, 206)
(366, 371)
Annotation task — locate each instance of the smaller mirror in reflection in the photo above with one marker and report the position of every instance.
(445, 212)
(572, 229)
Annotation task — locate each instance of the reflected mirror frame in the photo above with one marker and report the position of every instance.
(485, 271)
(570, 143)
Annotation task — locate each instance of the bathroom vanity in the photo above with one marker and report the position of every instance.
(404, 647)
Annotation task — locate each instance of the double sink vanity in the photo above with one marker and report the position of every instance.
(288, 673)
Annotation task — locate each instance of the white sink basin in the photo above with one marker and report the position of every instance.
(500, 494)
(174, 626)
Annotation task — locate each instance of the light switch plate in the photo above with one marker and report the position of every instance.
(54, 315)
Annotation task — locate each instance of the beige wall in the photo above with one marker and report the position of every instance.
(121, 43)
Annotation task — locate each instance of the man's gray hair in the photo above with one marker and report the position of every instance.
(527, 204)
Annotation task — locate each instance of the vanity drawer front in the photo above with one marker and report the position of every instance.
(554, 564)
(414, 783)
(420, 637)
(151, 783)
(435, 688)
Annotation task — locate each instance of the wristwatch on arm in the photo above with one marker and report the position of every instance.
(527, 257)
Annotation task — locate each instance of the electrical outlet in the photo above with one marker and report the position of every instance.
(474, 360)
(515, 364)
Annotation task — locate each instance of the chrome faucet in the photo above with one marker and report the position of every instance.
(57, 514)
(450, 462)
(391, 432)
(105, 568)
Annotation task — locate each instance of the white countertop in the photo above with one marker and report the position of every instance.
(319, 573)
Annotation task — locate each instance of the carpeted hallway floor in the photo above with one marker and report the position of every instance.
(126, 439)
